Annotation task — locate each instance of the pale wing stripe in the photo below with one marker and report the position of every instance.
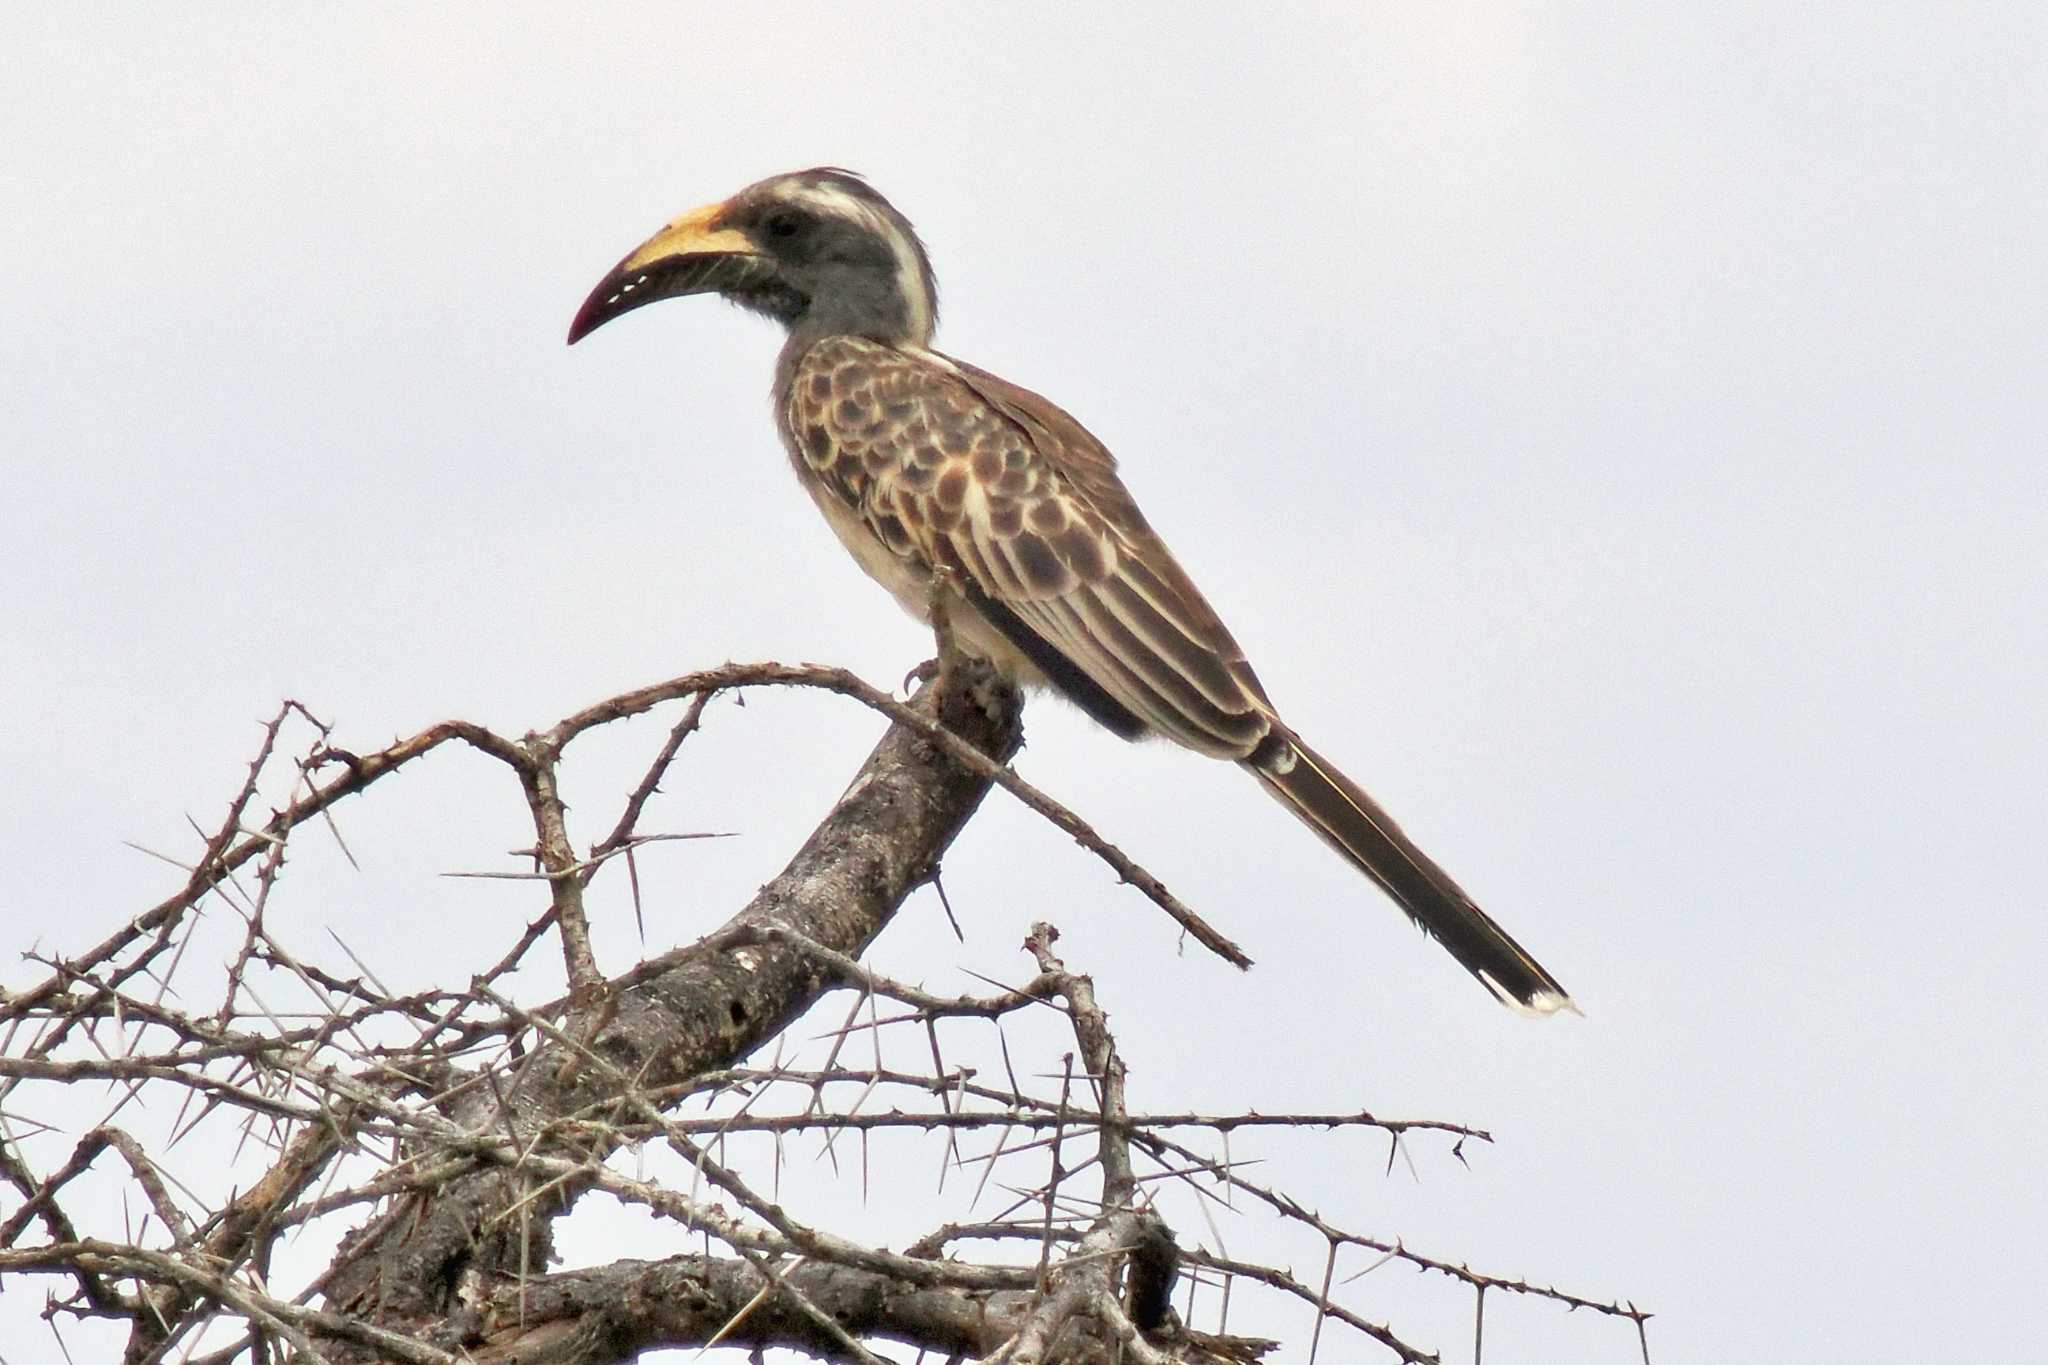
(1169, 699)
(1061, 622)
(1062, 579)
(968, 551)
(1116, 636)
(1165, 599)
(1195, 661)
(1111, 635)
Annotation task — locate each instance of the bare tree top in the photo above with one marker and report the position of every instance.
(389, 1176)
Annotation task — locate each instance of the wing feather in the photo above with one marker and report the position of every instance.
(924, 464)
(954, 468)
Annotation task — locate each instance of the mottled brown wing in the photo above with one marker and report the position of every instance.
(946, 465)
(953, 468)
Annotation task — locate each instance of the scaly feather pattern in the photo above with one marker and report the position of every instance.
(948, 469)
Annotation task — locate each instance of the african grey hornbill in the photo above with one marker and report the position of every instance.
(927, 468)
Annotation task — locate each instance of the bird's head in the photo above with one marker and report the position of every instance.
(817, 250)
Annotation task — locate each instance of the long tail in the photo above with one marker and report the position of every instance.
(1353, 823)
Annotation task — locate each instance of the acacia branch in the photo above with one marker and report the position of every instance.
(467, 1120)
(707, 1006)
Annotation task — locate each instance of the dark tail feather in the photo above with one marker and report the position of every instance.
(1353, 823)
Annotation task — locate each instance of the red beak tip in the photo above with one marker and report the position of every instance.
(582, 326)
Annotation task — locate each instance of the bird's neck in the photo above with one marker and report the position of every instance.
(808, 330)
(892, 307)
(892, 326)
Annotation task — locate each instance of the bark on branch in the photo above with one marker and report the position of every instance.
(707, 1006)
(469, 1119)
(615, 1312)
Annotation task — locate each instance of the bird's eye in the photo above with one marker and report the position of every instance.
(784, 223)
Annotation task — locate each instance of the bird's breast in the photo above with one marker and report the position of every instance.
(906, 579)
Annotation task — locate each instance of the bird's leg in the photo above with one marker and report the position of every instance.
(937, 584)
(937, 613)
(939, 600)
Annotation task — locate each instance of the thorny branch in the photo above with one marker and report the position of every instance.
(457, 1126)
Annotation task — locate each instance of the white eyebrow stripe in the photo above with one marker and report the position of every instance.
(917, 299)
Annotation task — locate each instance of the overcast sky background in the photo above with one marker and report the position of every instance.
(1616, 435)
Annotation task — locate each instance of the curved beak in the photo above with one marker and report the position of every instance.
(692, 255)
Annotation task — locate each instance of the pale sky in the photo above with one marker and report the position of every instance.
(1615, 435)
